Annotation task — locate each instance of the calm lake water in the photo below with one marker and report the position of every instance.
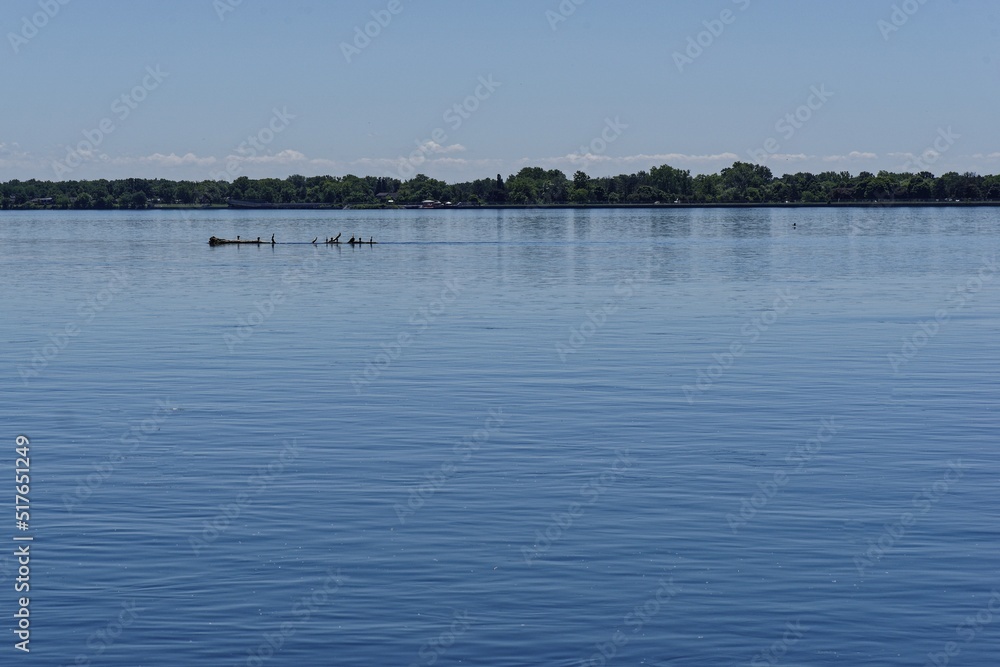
(671, 437)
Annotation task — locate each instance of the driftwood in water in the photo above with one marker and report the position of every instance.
(353, 241)
(217, 241)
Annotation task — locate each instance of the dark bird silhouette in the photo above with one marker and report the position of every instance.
(314, 240)
(272, 239)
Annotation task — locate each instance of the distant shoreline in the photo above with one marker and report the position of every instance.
(500, 207)
(854, 204)
(741, 185)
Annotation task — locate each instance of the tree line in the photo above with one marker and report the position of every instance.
(742, 182)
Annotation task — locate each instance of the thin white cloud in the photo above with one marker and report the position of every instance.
(434, 147)
(323, 162)
(789, 157)
(169, 161)
(289, 159)
(379, 163)
(930, 156)
(287, 156)
(418, 161)
(440, 161)
(679, 157)
(853, 155)
(584, 159)
(11, 155)
(402, 166)
(463, 162)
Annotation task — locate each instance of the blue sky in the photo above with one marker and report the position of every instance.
(199, 89)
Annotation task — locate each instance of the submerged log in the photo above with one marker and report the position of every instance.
(217, 241)
(352, 241)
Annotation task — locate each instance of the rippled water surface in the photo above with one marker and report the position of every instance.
(670, 437)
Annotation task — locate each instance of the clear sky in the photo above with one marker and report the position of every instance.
(176, 89)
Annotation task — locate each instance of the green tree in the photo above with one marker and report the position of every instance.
(521, 191)
(743, 175)
(422, 188)
(645, 194)
(185, 192)
(707, 187)
(921, 189)
(674, 183)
